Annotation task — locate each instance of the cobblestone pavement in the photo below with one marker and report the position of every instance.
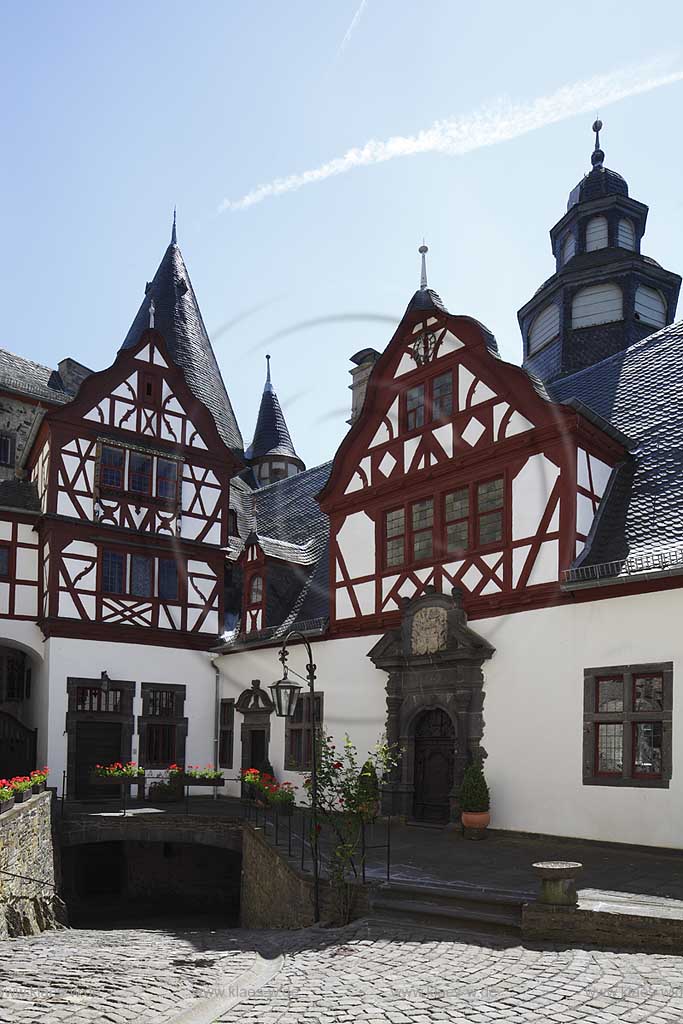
(365, 974)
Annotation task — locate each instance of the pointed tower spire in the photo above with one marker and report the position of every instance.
(423, 250)
(174, 236)
(597, 156)
(178, 319)
(271, 453)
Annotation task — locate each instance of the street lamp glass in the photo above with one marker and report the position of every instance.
(285, 696)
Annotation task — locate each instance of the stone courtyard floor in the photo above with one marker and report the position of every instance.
(368, 973)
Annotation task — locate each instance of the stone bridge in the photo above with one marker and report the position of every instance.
(150, 828)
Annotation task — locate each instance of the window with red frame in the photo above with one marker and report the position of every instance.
(395, 542)
(422, 522)
(140, 473)
(113, 572)
(112, 466)
(429, 402)
(490, 497)
(628, 723)
(457, 518)
(256, 590)
(167, 478)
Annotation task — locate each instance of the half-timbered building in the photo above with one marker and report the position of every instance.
(489, 566)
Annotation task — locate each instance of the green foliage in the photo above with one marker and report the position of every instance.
(348, 796)
(474, 792)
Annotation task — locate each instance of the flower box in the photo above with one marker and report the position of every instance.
(6, 805)
(190, 780)
(117, 780)
(21, 795)
(39, 787)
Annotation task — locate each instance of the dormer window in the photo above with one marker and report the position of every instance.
(544, 328)
(650, 306)
(256, 590)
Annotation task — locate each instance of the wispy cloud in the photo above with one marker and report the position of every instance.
(352, 27)
(498, 122)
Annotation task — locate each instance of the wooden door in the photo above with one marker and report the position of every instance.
(96, 743)
(17, 747)
(434, 758)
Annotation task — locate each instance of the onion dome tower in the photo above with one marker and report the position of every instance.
(604, 294)
(271, 453)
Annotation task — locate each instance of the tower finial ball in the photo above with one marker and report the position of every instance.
(423, 249)
(597, 125)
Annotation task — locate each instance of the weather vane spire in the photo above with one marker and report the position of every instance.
(151, 312)
(423, 250)
(174, 237)
(597, 156)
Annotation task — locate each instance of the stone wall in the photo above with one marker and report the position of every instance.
(276, 895)
(26, 848)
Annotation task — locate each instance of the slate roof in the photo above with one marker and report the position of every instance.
(19, 494)
(638, 391)
(599, 182)
(290, 526)
(178, 318)
(271, 436)
(33, 379)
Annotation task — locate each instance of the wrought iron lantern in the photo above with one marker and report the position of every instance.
(285, 696)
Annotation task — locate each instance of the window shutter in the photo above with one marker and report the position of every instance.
(545, 327)
(650, 306)
(597, 304)
(568, 249)
(596, 234)
(626, 235)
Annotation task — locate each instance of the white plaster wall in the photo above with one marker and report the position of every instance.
(27, 637)
(534, 714)
(143, 663)
(354, 700)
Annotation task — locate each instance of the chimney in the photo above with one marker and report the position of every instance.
(360, 374)
(73, 374)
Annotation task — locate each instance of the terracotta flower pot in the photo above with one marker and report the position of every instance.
(475, 819)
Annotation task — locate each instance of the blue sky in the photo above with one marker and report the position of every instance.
(113, 113)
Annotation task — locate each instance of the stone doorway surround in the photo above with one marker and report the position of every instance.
(434, 660)
(256, 707)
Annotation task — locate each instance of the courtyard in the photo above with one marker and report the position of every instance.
(368, 972)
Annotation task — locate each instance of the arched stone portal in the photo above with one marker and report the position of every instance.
(435, 685)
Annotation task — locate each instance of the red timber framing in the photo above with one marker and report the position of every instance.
(85, 515)
(253, 562)
(499, 428)
(19, 573)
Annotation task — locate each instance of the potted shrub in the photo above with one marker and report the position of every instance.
(6, 796)
(23, 788)
(475, 799)
(39, 779)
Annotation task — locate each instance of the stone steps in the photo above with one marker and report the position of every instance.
(449, 907)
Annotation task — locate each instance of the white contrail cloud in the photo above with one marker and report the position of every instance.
(495, 123)
(352, 27)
